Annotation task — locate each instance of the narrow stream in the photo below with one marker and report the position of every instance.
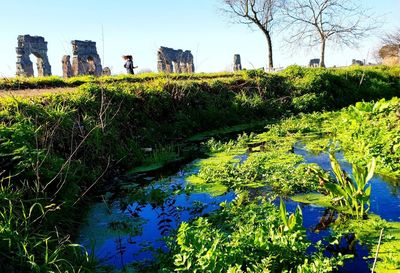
(130, 231)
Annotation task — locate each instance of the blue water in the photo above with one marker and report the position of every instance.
(150, 222)
(121, 248)
(385, 196)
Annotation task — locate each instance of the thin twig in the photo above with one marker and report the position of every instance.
(94, 183)
(377, 251)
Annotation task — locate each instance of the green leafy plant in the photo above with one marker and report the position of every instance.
(353, 195)
(243, 237)
(292, 222)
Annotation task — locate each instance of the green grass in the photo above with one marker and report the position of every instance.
(55, 147)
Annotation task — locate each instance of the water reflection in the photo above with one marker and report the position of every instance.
(131, 227)
(385, 193)
(152, 219)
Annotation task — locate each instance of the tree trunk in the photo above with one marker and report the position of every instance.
(269, 42)
(322, 60)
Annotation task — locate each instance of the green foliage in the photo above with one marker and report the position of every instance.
(59, 144)
(27, 245)
(243, 237)
(270, 163)
(294, 221)
(310, 102)
(380, 141)
(55, 81)
(373, 126)
(352, 194)
(367, 231)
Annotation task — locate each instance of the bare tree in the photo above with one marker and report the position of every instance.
(261, 13)
(314, 22)
(392, 38)
(389, 52)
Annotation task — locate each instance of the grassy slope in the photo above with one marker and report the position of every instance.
(55, 146)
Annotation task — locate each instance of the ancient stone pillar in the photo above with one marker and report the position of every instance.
(189, 62)
(106, 71)
(177, 67)
(66, 66)
(237, 63)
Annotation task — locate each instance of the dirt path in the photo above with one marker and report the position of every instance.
(34, 92)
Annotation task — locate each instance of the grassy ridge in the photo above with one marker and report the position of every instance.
(55, 147)
(55, 81)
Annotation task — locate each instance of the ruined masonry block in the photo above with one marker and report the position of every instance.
(106, 71)
(85, 60)
(37, 46)
(170, 60)
(314, 62)
(66, 66)
(237, 63)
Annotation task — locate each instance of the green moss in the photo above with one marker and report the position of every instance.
(213, 186)
(201, 186)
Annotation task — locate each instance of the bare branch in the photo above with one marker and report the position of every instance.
(317, 21)
(261, 13)
(392, 38)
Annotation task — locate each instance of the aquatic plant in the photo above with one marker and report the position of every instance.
(269, 162)
(352, 194)
(244, 237)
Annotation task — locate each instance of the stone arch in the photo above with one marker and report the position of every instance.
(171, 60)
(85, 60)
(36, 46)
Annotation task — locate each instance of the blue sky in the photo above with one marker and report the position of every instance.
(140, 27)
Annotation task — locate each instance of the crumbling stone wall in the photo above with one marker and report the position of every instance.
(357, 62)
(171, 60)
(237, 63)
(37, 46)
(314, 62)
(85, 60)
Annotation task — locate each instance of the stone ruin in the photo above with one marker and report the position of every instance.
(37, 46)
(314, 62)
(106, 71)
(237, 63)
(85, 60)
(66, 66)
(170, 60)
(357, 62)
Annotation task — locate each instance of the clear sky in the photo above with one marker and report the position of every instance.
(140, 27)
